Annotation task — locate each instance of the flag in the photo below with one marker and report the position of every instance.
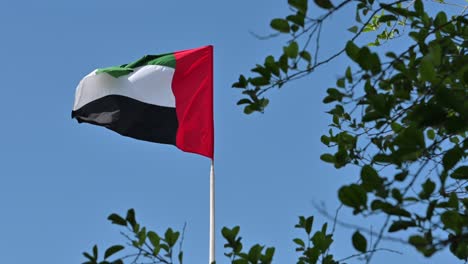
(166, 98)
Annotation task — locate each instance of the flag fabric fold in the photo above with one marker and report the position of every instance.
(166, 98)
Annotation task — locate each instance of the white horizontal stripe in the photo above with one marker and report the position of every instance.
(149, 84)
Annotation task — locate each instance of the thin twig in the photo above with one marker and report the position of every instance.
(371, 251)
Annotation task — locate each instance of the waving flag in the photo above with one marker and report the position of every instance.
(166, 98)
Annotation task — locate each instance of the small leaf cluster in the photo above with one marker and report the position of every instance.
(257, 254)
(385, 25)
(412, 119)
(294, 60)
(145, 244)
(315, 248)
(93, 256)
(399, 115)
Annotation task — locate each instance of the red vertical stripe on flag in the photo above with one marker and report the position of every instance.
(192, 86)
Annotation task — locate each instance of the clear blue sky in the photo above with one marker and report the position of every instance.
(59, 180)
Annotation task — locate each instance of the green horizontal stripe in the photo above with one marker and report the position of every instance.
(167, 60)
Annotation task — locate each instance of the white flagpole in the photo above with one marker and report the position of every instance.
(212, 214)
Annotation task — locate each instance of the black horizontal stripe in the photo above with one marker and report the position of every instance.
(132, 118)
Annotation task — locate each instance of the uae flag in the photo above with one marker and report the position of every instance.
(166, 98)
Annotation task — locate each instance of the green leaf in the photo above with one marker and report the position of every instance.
(112, 250)
(259, 81)
(283, 63)
(254, 253)
(461, 173)
(349, 74)
(353, 196)
(271, 65)
(117, 220)
(369, 172)
(359, 242)
(280, 25)
(353, 29)
(322, 241)
(329, 260)
(269, 253)
(171, 237)
(352, 50)
(328, 158)
(435, 54)
(297, 19)
(154, 238)
(95, 252)
(325, 4)
(263, 71)
(382, 158)
(369, 61)
(165, 247)
(453, 220)
(394, 210)
(440, 19)
(242, 83)
(249, 109)
(358, 16)
(131, 217)
(389, 208)
(88, 256)
(264, 103)
(227, 234)
(454, 140)
(306, 56)
(401, 225)
(324, 228)
(428, 189)
(325, 140)
(308, 224)
(430, 134)
(430, 209)
(411, 138)
(300, 5)
(180, 257)
(293, 50)
(142, 236)
(426, 70)
(370, 178)
(333, 95)
(372, 116)
(452, 157)
(401, 176)
(340, 82)
(417, 241)
(156, 250)
(244, 101)
(299, 242)
(396, 127)
(387, 18)
(419, 7)
(396, 194)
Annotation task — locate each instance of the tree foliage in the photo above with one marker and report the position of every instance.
(401, 116)
(145, 245)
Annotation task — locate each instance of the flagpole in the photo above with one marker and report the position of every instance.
(212, 214)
